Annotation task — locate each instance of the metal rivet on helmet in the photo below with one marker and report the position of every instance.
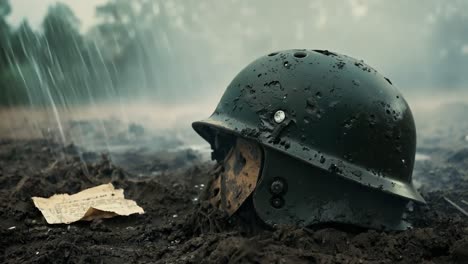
(277, 187)
(279, 116)
(277, 202)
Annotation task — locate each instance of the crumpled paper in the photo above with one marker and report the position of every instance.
(103, 201)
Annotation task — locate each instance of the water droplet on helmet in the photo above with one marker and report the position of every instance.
(326, 52)
(357, 173)
(334, 168)
(333, 104)
(310, 105)
(275, 84)
(322, 159)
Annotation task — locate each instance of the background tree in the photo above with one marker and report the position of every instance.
(61, 34)
(450, 50)
(5, 10)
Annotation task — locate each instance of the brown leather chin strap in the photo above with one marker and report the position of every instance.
(233, 185)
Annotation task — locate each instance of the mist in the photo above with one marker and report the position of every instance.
(164, 64)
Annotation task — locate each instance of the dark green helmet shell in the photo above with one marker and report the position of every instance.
(340, 115)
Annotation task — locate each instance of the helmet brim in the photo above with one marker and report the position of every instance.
(208, 128)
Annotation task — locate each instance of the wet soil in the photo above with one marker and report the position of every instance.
(179, 227)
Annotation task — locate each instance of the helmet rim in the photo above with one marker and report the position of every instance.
(324, 161)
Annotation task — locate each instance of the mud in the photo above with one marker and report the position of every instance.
(180, 226)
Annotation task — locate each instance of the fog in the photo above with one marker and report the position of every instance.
(163, 64)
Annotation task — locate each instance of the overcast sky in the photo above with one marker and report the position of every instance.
(34, 11)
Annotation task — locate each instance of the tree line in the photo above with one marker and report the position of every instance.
(136, 49)
(175, 49)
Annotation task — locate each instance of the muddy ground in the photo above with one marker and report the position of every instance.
(179, 227)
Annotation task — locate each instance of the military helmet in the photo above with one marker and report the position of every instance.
(313, 136)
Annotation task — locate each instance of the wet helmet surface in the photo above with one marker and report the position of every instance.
(338, 139)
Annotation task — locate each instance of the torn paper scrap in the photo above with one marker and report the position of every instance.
(102, 201)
